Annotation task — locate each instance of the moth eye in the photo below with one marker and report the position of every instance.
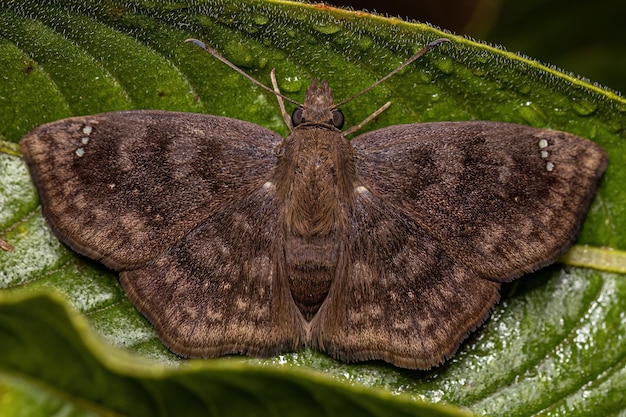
(338, 119)
(296, 117)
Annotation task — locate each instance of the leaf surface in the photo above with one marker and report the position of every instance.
(555, 345)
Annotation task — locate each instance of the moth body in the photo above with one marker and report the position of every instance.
(315, 176)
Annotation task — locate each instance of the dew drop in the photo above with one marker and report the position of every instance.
(251, 29)
(425, 77)
(365, 43)
(479, 72)
(240, 55)
(262, 62)
(260, 19)
(483, 58)
(445, 65)
(291, 84)
(327, 28)
(583, 107)
(531, 114)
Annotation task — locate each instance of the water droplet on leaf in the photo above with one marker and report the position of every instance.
(531, 114)
(327, 28)
(479, 72)
(583, 107)
(291, 84)
(445, 65)
(365, 43)
(244, 56)
(260, 19)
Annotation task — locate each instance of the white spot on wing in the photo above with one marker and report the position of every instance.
(543, 144)
(85, 140)
(80, 152)
(361, 190)
(269, 185)
(87, 130)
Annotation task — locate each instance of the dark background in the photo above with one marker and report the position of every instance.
(583, 37)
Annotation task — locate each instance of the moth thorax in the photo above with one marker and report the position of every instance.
(313, 207)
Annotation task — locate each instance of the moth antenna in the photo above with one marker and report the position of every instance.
(394, 72)
(367, 119)
(281, 103)
(239, 70)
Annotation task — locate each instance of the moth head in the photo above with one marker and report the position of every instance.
(318, 108)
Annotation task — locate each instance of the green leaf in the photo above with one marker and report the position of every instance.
(131, 386)
(555, 345)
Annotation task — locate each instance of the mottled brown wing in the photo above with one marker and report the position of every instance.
(222, 289)
(181, 204)
(400, 298)
(443, 214)
(503, 199)
(122, 187)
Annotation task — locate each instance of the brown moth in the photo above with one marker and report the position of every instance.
(233, 240)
